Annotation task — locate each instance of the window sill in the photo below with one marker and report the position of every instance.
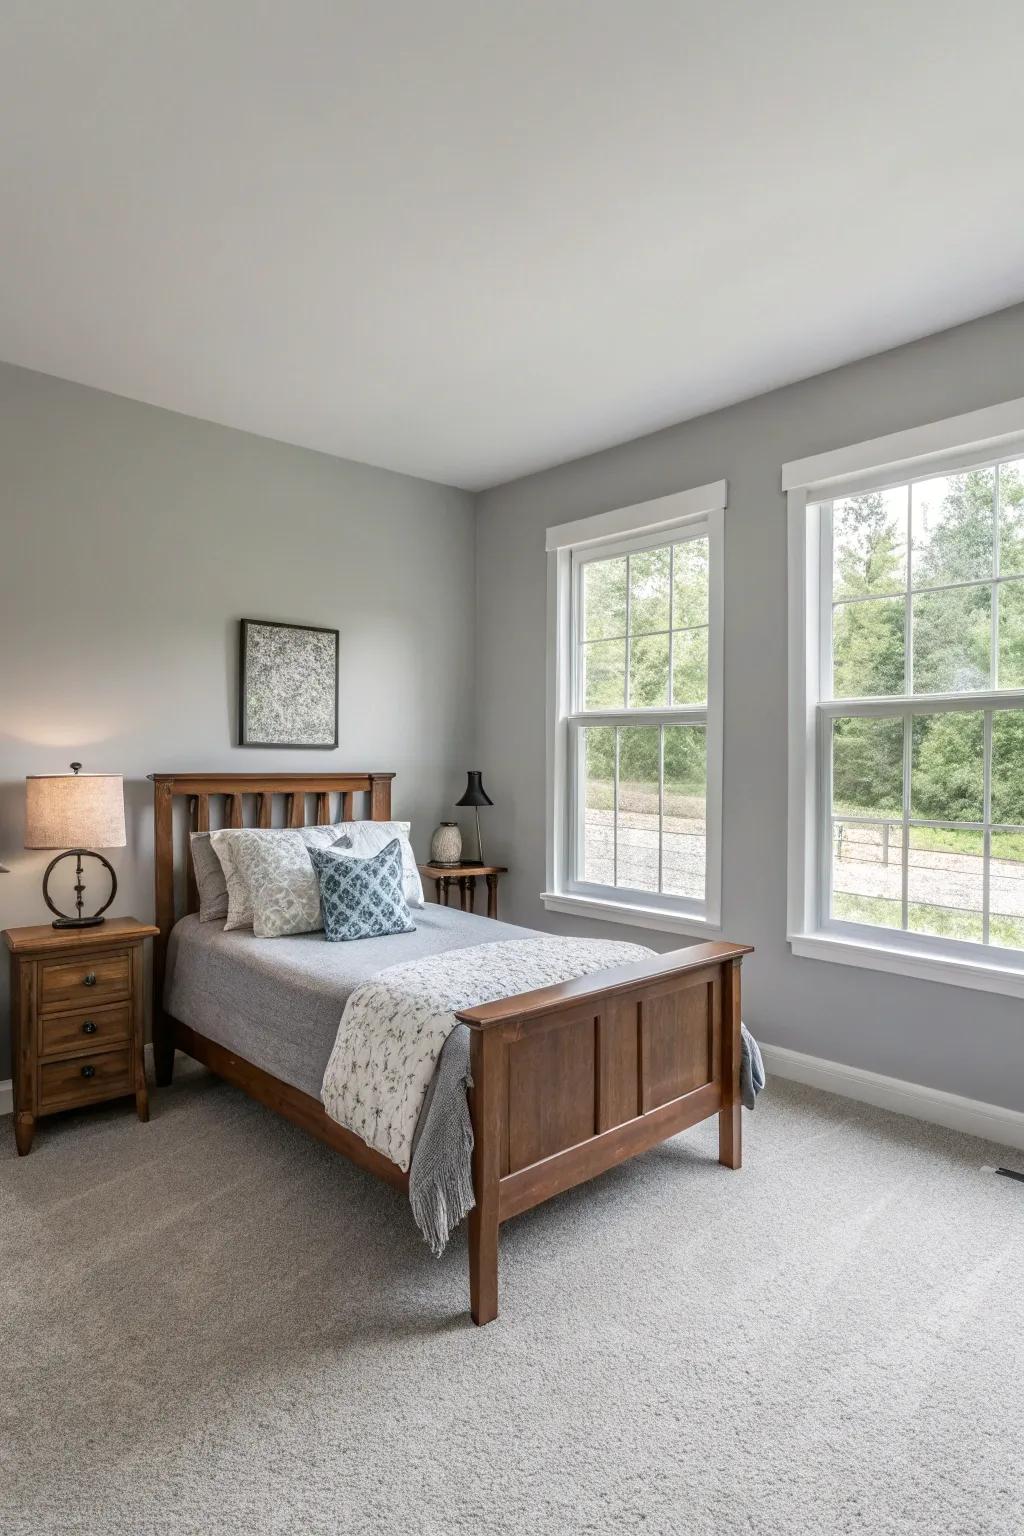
(974, 974)
(657, 918)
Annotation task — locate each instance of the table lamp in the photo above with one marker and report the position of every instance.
(476, 796)
(68, 810)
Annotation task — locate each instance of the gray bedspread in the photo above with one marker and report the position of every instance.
(278, 1002)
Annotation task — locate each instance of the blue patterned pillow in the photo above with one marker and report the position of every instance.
(362, 898)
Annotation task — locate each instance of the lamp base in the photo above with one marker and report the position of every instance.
(77, 922)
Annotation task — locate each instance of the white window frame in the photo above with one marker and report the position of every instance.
(698, 512)
(957, 443)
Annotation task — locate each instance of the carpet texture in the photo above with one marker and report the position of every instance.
(210, 1324)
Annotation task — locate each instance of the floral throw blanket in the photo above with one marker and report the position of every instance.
(394, 1026)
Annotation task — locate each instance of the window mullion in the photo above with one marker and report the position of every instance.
(661, 806)
(908, 761)
(615, 813)
(993, 670)
(908, 611)
(629, 622)
(986, 837)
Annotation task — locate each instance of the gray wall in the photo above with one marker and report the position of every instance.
(131, 542)
(965, 1042)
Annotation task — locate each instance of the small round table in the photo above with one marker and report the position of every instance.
(445, 876)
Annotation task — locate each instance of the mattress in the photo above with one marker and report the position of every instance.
(278, 1002)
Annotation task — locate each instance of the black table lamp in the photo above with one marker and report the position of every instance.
(476, 796)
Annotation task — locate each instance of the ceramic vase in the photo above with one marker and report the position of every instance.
(446, 844)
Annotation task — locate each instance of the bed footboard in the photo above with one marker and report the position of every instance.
(570, 1080)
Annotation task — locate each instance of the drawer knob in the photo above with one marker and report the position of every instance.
(88, 1071)
(90, 979)
(89, 1027)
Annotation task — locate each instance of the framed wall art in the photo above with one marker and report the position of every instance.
(288, 685)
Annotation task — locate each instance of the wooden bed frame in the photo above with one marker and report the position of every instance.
(568, 1081)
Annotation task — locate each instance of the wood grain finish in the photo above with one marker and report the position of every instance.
(92, 978)
(84, 1029)
(567, 1081)
(79, 1016)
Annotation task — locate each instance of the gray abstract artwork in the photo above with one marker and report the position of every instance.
(289, 685)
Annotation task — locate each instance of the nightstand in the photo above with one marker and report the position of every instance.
(77, 1016)
(443, 875)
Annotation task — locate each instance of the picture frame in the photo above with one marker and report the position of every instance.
(287, 685)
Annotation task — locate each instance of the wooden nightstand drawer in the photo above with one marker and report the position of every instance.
(85, 1029)
(92, 979)
(80, 1079)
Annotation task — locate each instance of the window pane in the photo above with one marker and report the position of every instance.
(690, 666)
(1006, 890)
(867, 874)
(648, 590)
(648, 671)
(947, 778)
(603, 674)
(1011, 517)
(953, 517)
(867, 648)
(604, 599)
(690, 584)
(1008, 767)
(869, 543)
(952, 640)
(685, 825)
(598, 805)
(638, 820)
(945, 883)
(867, 767)
(1011, 634)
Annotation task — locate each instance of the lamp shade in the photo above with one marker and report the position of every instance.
(71, 810)
(475, 792)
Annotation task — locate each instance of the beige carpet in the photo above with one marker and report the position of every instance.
(211, 1324)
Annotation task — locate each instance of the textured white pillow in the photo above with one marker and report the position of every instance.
(365, 838)
(233, 846)
(213, 892)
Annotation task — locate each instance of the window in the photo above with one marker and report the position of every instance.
(911, 752)
(636, 733)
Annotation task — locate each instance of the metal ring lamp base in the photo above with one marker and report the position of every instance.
(62, 920)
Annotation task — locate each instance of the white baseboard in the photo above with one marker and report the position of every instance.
(990, 1121)
(7, 1098)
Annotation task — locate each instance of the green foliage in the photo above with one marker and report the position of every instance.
(867, 766)
(947, 781)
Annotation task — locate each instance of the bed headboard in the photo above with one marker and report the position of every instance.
(232, 794)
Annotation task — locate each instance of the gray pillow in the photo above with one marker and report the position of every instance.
(213, 890)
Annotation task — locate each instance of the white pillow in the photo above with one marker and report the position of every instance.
(234, 847)
(365, 838)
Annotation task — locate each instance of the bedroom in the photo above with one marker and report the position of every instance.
(463, 339)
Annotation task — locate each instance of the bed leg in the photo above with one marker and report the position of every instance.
(163, 1049)
(730, 1131)
(486, 1111)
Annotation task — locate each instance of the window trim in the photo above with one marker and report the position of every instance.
(700, 509)
(959, 442)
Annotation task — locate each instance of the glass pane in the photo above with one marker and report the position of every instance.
(604, 599)
(945, 883)
(690, 584)
(1011, 635)
(603, 674)
(1008, 767)
(638, 820)
(648, 671)
(684, 844)
(1011, 517)
(867, 873)
(690, 666)
(952, 520)
(868, 648)
(1006, 890)
(869, 543)
(952, 640)
(867, 767)
(598, 805)
(947, 776)
(649, 590)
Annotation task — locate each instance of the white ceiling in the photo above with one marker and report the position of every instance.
(468, 239)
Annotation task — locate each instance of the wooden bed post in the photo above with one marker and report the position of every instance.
(730, 1135)
(163, 1027)
(485, 1104)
